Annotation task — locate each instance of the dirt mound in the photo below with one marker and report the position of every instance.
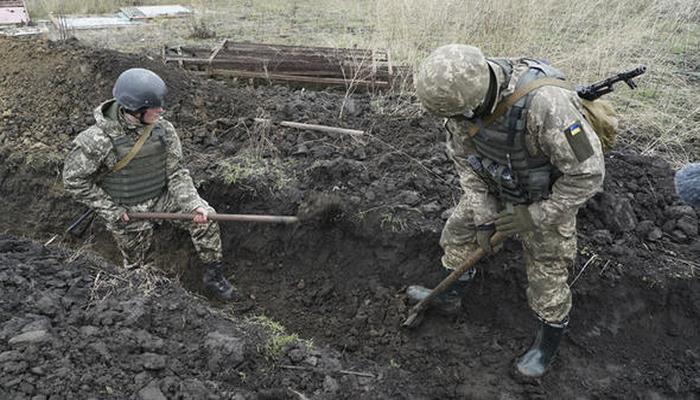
(75, 327)
(636, 291)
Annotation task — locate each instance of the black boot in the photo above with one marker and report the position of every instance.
(449, 301)
(215, 281)
(536, 360)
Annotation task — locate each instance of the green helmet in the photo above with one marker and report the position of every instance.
(453, 80)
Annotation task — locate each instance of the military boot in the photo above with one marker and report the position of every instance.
(534, 362)
(450, 300)
(215, 281)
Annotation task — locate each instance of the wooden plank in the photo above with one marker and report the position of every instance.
(236, 50)
(217, 50)
(314, 65)
(288, 48)
(313, 127)
(12, 3)
(301, 70)
(292, 78)
(252, 63)
(254, 58)
(315, 58)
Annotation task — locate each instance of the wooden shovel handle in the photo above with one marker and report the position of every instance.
(471, 260)
(280, 219)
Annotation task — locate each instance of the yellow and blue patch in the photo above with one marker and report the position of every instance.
(575, 128)
(578, 141)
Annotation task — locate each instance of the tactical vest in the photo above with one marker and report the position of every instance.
(144, 177)
(504, 162)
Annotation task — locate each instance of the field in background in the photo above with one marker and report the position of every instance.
(587, 40)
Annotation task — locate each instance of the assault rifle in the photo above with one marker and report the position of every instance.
(594, 91)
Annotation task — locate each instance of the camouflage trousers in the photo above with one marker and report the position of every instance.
(135, 238)
(548, 257)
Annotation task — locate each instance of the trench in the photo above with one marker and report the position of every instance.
(342, 286)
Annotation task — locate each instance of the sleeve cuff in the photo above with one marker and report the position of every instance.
(537, 214)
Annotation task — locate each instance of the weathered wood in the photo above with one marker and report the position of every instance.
(313, 127)
(314, 65)
(293, 78)
(11, 3)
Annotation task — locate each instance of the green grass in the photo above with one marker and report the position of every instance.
(251, 171)
(278, 338)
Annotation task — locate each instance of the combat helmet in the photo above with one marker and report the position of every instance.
(139, 88)
(453, 80)
(687, 181)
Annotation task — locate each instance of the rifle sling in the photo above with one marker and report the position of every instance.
(134, 150)
(508, 102)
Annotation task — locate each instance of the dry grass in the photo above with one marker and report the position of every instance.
(586, 40)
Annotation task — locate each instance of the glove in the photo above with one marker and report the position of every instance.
(517, 221)
(483, 237)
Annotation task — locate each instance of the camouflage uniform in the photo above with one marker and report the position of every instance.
(93, 156)
(550, 248)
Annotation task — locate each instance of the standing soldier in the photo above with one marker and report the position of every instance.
(524, 173)
(131, 161)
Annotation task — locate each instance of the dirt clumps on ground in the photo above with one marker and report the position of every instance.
(635, 283)
(73, 326)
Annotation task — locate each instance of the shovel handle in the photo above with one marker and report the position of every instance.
(275, 219)
(473, 258)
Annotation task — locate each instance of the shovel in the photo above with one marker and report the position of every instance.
(413, 319)
(274, 219)
(323, 209)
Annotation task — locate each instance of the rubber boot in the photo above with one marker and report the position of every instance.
(535, 361)
(449, 301)
(215, 281)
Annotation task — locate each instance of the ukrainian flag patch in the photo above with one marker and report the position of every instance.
(575, 128)
(580, 145)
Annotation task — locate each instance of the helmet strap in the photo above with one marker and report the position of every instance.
(137, 114)
(487, 105)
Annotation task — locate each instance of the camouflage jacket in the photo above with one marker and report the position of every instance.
(552, 111)
(93, 155)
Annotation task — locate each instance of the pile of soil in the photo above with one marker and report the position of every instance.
(635, 283)
(74, 327)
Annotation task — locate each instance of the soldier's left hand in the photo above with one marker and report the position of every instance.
(517, 221)
(200, 216)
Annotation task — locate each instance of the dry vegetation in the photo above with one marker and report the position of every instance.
(587, 40)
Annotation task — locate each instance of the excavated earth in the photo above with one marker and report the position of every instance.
(73, 325)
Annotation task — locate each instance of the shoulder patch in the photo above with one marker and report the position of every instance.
(578, 140)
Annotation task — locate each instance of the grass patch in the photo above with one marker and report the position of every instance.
(252, 172)
(278, 338)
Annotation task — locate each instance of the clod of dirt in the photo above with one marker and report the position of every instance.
(324, 209)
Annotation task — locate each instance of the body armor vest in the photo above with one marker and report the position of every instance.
(503, 160)
(144, 177)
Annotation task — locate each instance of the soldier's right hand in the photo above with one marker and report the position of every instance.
(125, 217)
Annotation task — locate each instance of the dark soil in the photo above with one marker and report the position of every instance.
(74, 326)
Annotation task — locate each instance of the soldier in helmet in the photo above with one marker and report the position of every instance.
(154, 179)
(524, 173)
